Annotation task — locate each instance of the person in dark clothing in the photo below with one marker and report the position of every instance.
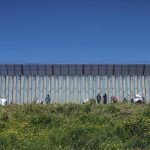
(98, 98)
(47, 99)
(132, 101)
(105, 98)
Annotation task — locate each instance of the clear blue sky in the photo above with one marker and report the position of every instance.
(75, 31)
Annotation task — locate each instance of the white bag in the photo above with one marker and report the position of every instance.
(3, 101)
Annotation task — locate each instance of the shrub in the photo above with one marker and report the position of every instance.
(111, 108)
(146, 111)
(10, 142)
(2, 125)
(71, 109)
(4, 116)
(45, 120)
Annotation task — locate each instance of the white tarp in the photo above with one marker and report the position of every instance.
(137, 98)
(85, 100)
(3, 101)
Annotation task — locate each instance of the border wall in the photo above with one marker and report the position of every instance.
(65, 83)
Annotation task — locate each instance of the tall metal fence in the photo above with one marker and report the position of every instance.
(73, 82)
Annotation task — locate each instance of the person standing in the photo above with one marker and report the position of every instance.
(98, 98)
(105, 98)
(47, 99)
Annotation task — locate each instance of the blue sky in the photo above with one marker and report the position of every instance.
(74, 31)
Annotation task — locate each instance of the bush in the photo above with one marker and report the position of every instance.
(45, 120)
(2, 125)
(4, 116)
(146, 111)
(10, 142)
(111, 108)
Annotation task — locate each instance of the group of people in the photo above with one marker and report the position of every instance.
(137, 99)
(4, 101)
(98, 98)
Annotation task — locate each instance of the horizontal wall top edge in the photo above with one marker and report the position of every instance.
(1, 64)
(74, 69)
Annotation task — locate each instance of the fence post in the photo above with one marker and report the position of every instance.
(3, 86)
(72, 88)
(19, 90)
(147, 88)
(135, 84)
(113, 85)
(7, 89)
(86, 87)
(83, 88)
(128, 88)
(61, 91)
(78, 89)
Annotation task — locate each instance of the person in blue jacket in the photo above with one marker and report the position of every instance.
(47, 99)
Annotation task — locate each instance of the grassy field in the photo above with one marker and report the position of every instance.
(75, 127)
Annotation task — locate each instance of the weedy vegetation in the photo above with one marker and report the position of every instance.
(72, 126)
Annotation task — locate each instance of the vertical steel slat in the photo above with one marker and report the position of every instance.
(19, 90)
(10, 89)
(113, 85)
(6, 88)
(135, 84)
(37, 88)
(52, 89)
(57, 89)
(101, 85)
(86, 87)
(27, 89)
(3, 86)
(22, 89)
(75, 88)
(34, 88)
(60, 89)
(30, 89)
(71, 88)
(49, 86)
(128, 88)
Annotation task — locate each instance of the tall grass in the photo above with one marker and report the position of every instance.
(73, 126)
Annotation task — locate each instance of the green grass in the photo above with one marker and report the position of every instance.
(72, 127)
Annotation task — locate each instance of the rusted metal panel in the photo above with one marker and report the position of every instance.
(146, 70)
(64, 69)
(102, 69)
(41, 70)
(56, 69)
(117, 70)
(48, 70)
(95, 70)
(11, 69)
(18, 69)
(87, 69)
(125, 69)
(34, 69)
(139, 69)
(26, 69)
(110, 70)
(3, 69)
(132, 69)
(72, 69)
(79, 70)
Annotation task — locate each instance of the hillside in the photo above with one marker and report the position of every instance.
(72, 127)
